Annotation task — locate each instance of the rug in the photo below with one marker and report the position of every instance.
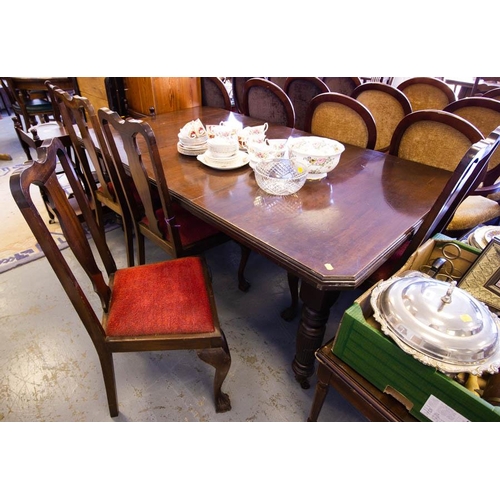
(18, 246)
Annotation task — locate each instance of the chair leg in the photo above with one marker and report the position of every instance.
(220, 359)
(243, 284)
(290, 312)
(129, 240)
(108, 373)
(141, 251)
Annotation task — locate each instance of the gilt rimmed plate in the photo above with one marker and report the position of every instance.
(239, 160)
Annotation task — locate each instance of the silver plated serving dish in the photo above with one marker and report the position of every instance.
(437, 323)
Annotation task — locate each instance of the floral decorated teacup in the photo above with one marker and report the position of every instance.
(279, 146)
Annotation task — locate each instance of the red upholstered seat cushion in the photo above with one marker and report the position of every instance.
(385, 271)
(160, 299)
(191, 228)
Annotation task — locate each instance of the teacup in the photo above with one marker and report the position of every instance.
(234, 126)
(244, 137)
(193, 130)
(219, 131)
(222, 147)
(261, 151)
(279, 146)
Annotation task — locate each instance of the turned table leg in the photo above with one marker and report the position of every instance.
(311, 330)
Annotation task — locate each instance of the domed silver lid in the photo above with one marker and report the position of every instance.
(440, 324)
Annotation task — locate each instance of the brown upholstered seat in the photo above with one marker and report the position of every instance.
(388, 106)
(441, 139)
(342, 118)
(214, 93)
(427, 93)
(163, 306)
(266, 101)
(301, 90)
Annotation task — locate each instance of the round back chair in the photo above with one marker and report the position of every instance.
(387, 104)
(427, 93)
(483, 113)
(340, 117)
(266, 101)
(342, 84)
(301, 90)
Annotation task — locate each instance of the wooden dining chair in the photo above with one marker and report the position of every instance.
(266, 101)
(155, 215)
(493, 93)
(78, 113)
(464, 180)
(341, 84)
(27, 109)
(301, 90)
(483, 113)
(238, 86)
(388, 106)
(441, 139)
(214, 93)
(427, 93)
(155, 307)
(342, 118)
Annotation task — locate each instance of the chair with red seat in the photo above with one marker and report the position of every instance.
(132, 320)
(157, 216)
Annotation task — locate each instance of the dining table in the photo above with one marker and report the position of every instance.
(332, 234)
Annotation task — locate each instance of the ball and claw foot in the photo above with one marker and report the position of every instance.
(222, 403)
(289, 313)
(243, 285)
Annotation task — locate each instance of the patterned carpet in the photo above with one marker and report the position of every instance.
(18, 246)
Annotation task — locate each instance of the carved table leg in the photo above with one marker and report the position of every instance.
(311, 331)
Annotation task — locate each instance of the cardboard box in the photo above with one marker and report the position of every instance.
(428, 394)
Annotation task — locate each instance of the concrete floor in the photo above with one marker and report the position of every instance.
(49, 370)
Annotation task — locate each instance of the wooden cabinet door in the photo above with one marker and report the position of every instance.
(164, 94)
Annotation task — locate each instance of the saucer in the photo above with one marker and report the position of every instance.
(237, 161)
(191, 150)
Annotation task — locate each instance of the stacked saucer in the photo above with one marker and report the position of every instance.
(223, 153)
(482, 236)
(192, 139)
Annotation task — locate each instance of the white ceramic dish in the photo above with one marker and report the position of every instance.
(319, 155)
(239, 160)
(191, 151)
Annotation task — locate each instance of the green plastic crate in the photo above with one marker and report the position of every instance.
(376, 357)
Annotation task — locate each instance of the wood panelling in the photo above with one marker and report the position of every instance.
(164, 94)
(94, 90)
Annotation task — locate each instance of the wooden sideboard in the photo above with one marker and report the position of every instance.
(164, 94)
(94, 90)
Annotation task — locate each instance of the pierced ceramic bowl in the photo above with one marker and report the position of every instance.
(318, 155)
(279, 176)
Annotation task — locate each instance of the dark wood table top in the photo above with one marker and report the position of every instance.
(333, 233)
